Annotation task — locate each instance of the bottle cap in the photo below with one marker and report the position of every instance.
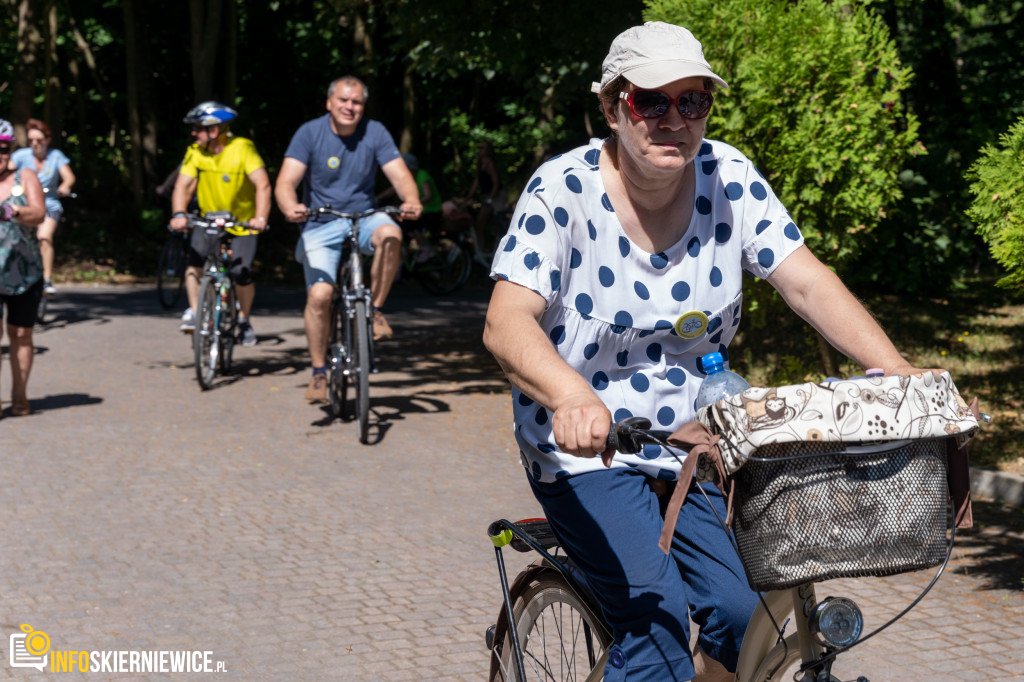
(712, 360)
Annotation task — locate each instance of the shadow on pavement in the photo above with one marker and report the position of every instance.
(63, 400)
(994, 549)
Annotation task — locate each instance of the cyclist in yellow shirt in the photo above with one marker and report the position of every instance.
(227, 174)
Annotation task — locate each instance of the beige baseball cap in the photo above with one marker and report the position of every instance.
(653, 55)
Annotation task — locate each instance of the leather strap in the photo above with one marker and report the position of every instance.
(702, 445)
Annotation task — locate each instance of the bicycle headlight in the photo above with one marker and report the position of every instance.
(836, 622)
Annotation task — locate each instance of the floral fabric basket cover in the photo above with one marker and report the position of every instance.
(861, 410)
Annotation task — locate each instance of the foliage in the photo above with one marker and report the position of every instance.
(997, 183)
(968, 87)
(824, 123)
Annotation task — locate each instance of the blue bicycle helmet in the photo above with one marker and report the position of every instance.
(210, 114)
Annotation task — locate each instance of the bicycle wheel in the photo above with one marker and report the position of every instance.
(204, 339)
(446, 269)
(360, 366)
(170, 272)
(337, 383)
(560, 636)
(228, 328)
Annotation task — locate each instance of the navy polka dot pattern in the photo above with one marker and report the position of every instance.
(611, 307)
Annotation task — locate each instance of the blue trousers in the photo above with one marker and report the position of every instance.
(609, 522)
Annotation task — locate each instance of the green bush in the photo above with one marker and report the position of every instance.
(997, 184)
(814, 100)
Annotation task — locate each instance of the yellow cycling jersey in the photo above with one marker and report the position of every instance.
(223, 179)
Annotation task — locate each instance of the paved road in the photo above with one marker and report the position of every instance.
(143, 514)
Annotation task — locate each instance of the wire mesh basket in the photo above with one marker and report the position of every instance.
(813, 511)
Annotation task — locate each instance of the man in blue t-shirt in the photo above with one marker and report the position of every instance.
(336, 157)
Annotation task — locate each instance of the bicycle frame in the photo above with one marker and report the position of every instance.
(767, 650)
(351, 288)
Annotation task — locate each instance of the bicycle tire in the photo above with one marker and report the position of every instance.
(170, 272)
(337, 381)
(361, 365)
(447, 268)
(228, 329)
(560, 635)
(204, 338)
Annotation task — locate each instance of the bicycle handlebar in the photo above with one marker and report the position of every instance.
(629, 435)
(352, 215)
(221, 221)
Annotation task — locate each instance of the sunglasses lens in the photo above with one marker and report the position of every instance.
(650, 103)
(696, 104)
(5, 149)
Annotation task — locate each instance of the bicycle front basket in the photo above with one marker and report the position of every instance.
(840, 479)
(815, 513)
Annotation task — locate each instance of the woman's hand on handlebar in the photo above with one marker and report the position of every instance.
(580, 426)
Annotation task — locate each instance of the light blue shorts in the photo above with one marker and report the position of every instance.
(319, 247)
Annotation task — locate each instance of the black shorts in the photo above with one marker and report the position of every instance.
(23, 308)
(243, 251)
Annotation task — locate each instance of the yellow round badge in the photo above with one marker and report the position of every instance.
(17, 191)
(692, 324)
(333, 162)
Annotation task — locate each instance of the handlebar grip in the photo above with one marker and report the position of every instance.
(612, 442)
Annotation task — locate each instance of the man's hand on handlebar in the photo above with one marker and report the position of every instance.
(179, 222)
(411, 210)
(297, 213)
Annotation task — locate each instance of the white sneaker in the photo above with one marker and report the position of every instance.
(48, 288)
(188, 320)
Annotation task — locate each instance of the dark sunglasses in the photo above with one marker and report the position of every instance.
(695, 104)
(5, 149)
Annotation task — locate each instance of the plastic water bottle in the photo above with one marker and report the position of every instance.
(720, 382)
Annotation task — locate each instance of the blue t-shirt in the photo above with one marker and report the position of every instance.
(49, 176)
(341, 171)
(635, 324)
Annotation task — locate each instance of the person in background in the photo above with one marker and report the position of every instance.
(430, 219)
(226, 174)
(622, 268)
(488, 190)
(56, 177)
(335, 157)
(22, 210)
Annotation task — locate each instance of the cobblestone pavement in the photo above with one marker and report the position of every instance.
(143, 514)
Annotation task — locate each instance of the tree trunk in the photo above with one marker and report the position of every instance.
(53, 112)
(205, 19)
(408, 112)
(30, 43)
(829, 356)
(133, 67)
(230, 54)
(88, 163)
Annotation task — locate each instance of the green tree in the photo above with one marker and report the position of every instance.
(967, 88)
(815, 102)
(997, 185)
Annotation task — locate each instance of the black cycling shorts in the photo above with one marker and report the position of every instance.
(243, 251)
